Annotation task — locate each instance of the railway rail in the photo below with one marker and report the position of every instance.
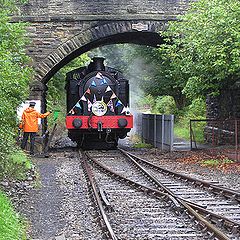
(213, 214)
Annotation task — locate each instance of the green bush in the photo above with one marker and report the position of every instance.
(15, 166)
(165, 105)
(142, 145)
(15, 76)
(138, 143)
(196, 110)
(159, 105)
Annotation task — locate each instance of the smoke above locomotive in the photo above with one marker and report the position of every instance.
(97, 106)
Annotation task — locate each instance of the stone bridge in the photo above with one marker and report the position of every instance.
(61, 30)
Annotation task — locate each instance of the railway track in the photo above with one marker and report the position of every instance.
(142, 201)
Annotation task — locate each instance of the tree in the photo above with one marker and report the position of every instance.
(204, 46)
(160, 76)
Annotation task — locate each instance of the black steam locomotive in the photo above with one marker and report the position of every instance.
(97, 106)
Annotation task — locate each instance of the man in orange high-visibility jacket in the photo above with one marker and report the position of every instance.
(29, 124)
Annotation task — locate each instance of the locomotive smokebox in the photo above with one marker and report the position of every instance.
(97, 64)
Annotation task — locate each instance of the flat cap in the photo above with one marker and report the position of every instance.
(32, 104)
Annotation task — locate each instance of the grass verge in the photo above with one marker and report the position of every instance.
(11, 226)
(15, 166)
(215, 162)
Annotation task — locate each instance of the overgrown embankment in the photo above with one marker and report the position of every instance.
(15, 75)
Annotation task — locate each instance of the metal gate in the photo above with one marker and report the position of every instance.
(158, 130)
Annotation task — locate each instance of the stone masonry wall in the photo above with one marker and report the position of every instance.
(225, 106)
(225, 109)
(53, 23)
(87, 8)
(47, 36)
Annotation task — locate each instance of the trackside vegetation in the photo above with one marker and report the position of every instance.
(204, 49)
(203, 54)
(200, 57)
(15, 75)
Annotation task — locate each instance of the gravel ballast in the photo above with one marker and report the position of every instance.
(58, 204)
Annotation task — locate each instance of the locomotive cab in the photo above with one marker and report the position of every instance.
(97, 106)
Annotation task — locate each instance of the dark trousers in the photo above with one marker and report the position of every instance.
(32, 140)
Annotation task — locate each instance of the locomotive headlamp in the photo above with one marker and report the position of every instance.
(77, 123)
(122, 122)
(99, 108)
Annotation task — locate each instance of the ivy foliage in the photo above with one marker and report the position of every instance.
(14, 78)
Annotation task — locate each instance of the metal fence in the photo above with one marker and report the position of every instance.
(214, 133)
(156, 130)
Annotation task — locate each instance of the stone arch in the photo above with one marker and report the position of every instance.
(95, 36)
(98, 35)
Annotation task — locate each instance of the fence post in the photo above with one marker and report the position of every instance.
(190, 130)
(213, 137)
(148, 135)
(155, 131)
(236, 136)
(163, 131)
(172, 132)
(141, 124)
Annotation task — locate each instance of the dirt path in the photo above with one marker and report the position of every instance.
(41, 206)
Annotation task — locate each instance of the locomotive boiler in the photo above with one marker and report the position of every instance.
(97, 106)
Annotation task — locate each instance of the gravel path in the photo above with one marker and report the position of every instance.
(60, 206)
(41, 206)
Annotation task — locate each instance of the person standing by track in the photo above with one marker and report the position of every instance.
(29, 124)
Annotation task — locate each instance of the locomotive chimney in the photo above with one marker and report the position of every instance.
(97, 64)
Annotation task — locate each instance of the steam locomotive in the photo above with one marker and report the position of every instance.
(97, 106)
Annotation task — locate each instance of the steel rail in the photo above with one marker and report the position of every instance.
(159, 183)
(141, 186)
(215, 217)
(233, 194)
(220, 235)
(99, 202)
(183, 203)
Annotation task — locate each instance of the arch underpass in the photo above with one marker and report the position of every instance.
(61, 30)
(112, 33)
